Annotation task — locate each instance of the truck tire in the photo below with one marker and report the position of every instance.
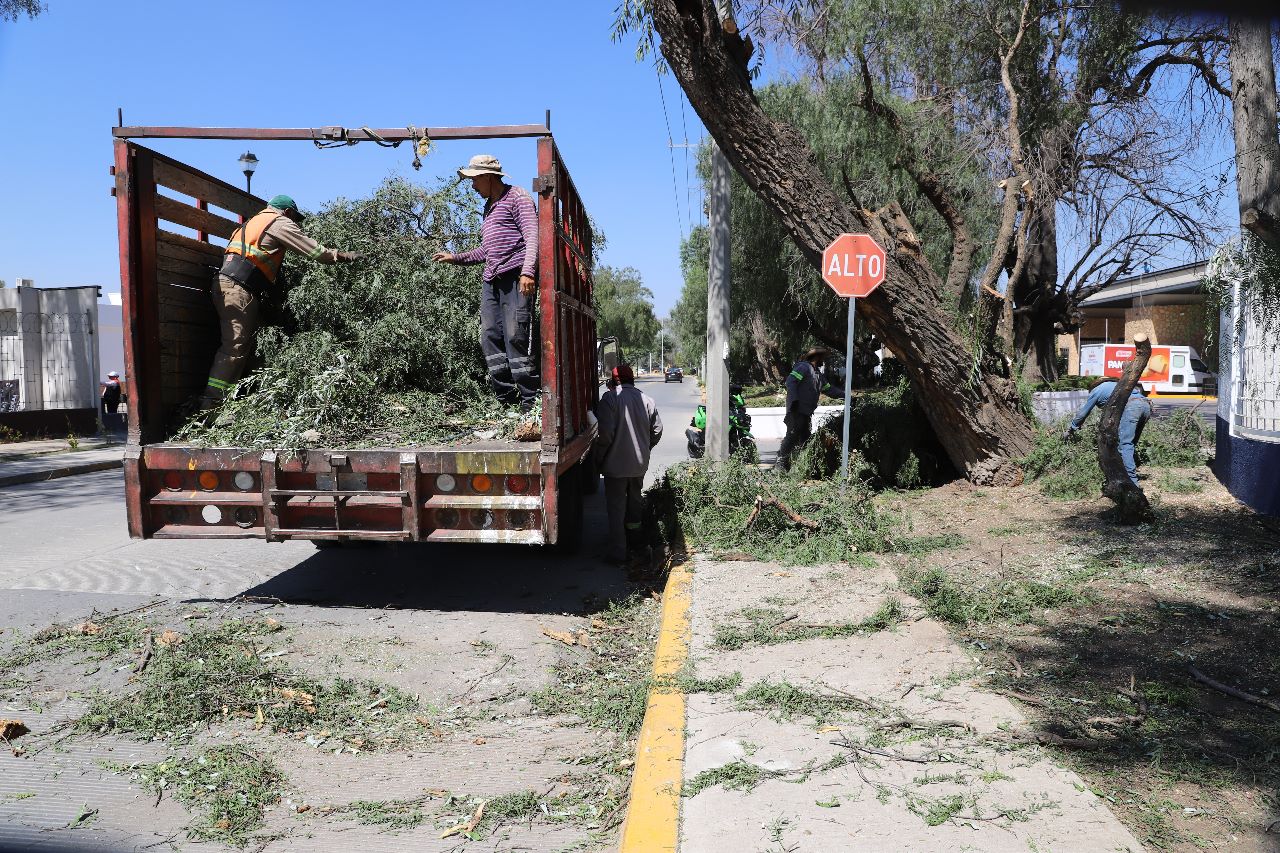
(569, 490)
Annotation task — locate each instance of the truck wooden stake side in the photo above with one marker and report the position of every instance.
(495, 491)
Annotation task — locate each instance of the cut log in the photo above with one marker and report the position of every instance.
(1132, 506)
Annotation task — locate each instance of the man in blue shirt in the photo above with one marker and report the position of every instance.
(1137, 411)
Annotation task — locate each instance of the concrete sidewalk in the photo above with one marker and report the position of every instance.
(51, 464)
(878, 740)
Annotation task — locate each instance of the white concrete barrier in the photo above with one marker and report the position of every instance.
(767, 421)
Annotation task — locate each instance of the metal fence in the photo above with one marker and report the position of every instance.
(1251, 370)
(48, 360)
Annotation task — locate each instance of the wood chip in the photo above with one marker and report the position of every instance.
(563, 636)
(87, 629)
(169, 638)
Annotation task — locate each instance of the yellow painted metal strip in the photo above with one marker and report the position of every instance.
(653, 812)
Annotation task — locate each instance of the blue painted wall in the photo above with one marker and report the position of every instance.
(1249, 469)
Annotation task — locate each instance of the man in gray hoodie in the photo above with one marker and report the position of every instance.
(629, 429)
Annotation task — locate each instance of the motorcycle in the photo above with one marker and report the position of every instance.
(741, 442)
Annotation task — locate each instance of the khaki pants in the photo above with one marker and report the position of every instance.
(238, 316)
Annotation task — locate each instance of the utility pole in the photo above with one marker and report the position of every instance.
(717, 375)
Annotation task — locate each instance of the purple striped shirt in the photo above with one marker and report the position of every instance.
(508, 236)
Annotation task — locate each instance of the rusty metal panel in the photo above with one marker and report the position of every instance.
(332, 133)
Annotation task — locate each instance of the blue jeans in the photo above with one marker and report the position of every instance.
(1136, 414)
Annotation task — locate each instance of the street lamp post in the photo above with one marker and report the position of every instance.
(249, 164)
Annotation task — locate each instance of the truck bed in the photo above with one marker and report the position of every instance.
(485, 491)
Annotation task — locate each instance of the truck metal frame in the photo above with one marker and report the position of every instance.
(528, 493)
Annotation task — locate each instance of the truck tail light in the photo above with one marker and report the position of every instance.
(172, 481)
(208, 480)
(243, 481)
(517, 484)
(446, 483)
(481, 483)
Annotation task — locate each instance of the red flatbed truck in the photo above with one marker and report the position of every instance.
(495, 491)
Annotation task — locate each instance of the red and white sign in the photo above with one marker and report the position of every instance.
(853, 265)
(1117, 357)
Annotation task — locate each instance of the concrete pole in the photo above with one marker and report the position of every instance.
(717, 375)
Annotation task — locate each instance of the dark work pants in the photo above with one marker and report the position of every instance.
(508, 340)
(624, 502)
(798, 432)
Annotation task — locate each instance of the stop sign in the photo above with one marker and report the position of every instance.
(853, 265)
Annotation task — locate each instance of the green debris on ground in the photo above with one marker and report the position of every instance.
(228, 671)
(93, 640)
(783, 701)
(740, 775)
(227, 788)
(1068, 470)
(734, 507)
(381, 352)
(765, 626)
(1019, 594)
(606, 685)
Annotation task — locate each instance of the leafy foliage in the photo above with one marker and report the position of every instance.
(1249, 262)
(1068, 470)
(382, 351)
(709, 504)
(213, 673)
(228, 786)
(624, 308)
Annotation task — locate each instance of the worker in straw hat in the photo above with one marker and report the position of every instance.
(249, 268)
(805, 384)
(509, 251)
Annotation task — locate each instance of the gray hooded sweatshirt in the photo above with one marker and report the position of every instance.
(629, 428)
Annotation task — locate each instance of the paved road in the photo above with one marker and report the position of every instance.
(64, 551)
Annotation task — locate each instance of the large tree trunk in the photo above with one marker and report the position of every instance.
(975, 416)
(1253, 105)
(1037, 311)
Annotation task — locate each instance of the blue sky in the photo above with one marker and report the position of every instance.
(303, 64)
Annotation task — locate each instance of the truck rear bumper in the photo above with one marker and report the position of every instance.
(490, 492)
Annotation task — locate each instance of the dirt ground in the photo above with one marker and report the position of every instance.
(1105, 635)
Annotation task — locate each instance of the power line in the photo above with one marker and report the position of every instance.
(675, 184)
(684, 127)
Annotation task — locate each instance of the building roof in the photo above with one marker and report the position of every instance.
(1187, 279)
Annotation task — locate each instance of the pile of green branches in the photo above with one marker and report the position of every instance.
(383, 351)
(734, 506)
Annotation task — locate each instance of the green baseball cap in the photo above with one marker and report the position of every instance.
(284, 202)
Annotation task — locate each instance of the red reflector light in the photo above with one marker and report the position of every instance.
(517, 485)
(172, 481)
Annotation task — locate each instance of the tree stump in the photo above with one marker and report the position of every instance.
(1131, 502)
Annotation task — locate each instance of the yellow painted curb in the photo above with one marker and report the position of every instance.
(1172, 396)
(653, 811)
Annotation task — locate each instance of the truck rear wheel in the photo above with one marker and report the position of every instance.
(569, 487)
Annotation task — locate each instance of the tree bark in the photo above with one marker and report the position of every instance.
(1253, 107)
(975, 416)
(1037, 310)
(1131, 502)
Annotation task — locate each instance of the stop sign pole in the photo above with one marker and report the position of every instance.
(853, 265)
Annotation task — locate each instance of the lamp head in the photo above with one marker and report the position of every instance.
(248, 162)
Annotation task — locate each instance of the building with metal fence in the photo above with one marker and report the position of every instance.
(1248, 436)
(49, 359)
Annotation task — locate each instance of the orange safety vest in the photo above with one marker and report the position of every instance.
(245, 241)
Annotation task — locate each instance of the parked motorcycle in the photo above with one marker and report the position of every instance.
(741, 442)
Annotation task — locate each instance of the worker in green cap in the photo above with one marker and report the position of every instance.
(250, 267)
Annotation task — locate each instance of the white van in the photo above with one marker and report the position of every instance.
(1171, 370)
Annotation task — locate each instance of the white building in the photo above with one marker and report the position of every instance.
(48, 348)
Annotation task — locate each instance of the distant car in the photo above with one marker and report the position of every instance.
(673, 374)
